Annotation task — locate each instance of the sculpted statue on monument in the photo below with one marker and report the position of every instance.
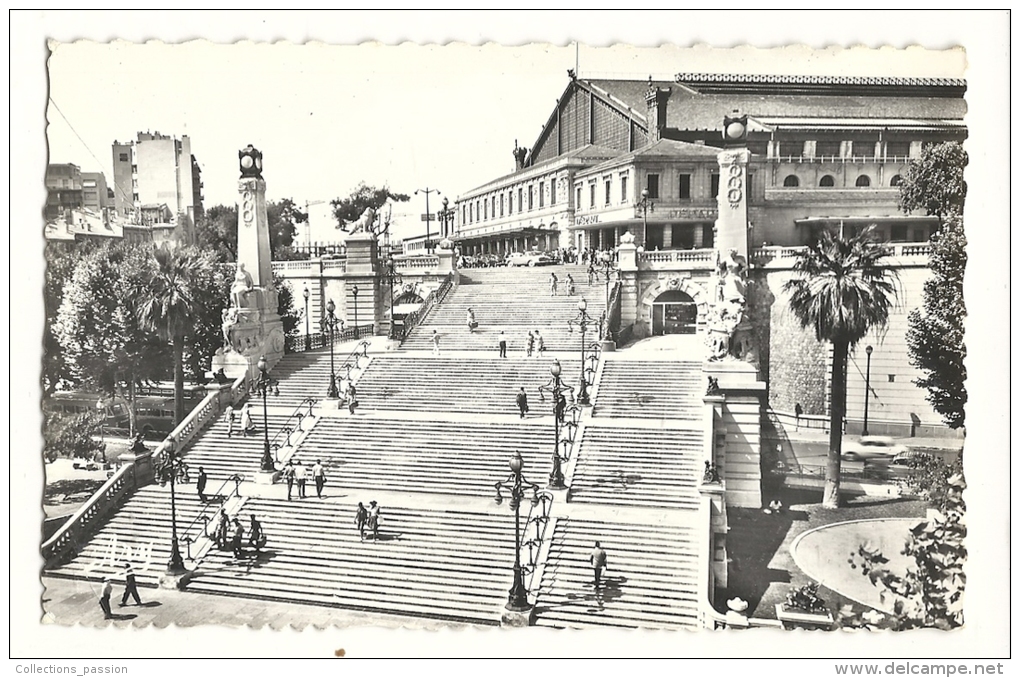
(241, 286)
(364, 222)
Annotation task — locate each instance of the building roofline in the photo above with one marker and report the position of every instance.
(799, 84)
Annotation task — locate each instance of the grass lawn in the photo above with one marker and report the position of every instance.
(762, 569)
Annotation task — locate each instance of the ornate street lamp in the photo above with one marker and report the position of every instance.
(518, 485)
(330, 322)
(867, 388)
(558, 389)
(264, 385)
(101, 414)
(394, 278)
(446, 218)
(354, 291)
(427, 216)
(646, 206)
(308, 334)
(582, 320)
(167, 469)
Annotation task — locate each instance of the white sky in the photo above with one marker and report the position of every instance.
(326, 124)
(407, 116)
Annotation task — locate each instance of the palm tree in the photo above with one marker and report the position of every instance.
(842, 290)
(170, 304)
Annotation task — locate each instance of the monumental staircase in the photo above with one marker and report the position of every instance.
(515, 301)
(430, 438)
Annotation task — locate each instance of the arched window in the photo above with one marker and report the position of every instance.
(896, 180)
(791, 181)
(827, 181)
(863, 180)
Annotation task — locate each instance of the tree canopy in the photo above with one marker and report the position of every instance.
(348, 210)
(934, 183)
(216, 230)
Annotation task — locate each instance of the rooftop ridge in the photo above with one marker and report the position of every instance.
(741, 78)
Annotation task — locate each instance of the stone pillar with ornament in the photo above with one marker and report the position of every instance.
(252, 327)
(363, 275)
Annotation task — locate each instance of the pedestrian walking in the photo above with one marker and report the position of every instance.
(374, 519)
(222, 528)
(471, 322)
(352, 398)
(502, 344)
(539, 343)
(435, 342)
(591, 272)
(200, 484)
(301, 476)
(570, 284)
(237, 539)
(598, 562)
(231, 417)
(522, 402)
(319, 476)
(531, 343)
(247, 424)
(130, 586)
(360, 519)
(552, 284)
(256, 537)
(288, 476)
(104, 598)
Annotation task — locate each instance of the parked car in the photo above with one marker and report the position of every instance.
(873, 448)
(529, 259)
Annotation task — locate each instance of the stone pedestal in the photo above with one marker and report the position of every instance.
(741, 418)
(731, 225)
(141, 466)
(175, 581)
(266, 477)
(516, 620)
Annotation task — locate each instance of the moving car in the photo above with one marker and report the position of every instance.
(873, 448)
(529, 259)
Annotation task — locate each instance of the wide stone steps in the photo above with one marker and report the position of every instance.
(455, 337)
(400, 455)
(453, 384)
(650, 582)
(139, 533)
(630, 389)
(223, 456)
(306, 375)
(444, 564)
(626, 466)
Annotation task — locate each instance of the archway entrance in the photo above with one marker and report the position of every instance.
(674, 312)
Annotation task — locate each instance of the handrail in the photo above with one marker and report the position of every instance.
(613, 318)
(299, 343)
(415, 318)
(541, 523)
(300, 417)
(237, 479)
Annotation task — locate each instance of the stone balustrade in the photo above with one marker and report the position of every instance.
(784, 256)
(77, 528)
(670, 259)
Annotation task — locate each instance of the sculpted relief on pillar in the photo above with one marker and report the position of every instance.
(729, 329)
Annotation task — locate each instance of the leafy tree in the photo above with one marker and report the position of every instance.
(99, 337)
(289, 313)
(212, 294)
(934, 183)
(216, 231)
(61, 261)
(842, 289)
(283, 216)
(171, 304)
(929, 478)
(350, 209)
(71, 437)
(930, 593)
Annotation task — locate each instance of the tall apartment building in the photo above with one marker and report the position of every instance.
(63, 189)
(154, 170)
(94, 192)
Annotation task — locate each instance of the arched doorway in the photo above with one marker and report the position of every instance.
(674, 312)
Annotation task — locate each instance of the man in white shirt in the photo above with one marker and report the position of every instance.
(301, 476)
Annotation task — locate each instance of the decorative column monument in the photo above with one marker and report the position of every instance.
(731, 368)
(251, 323)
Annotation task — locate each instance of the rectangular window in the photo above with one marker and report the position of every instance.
(609, 191)
(134, 169)
(135, 197)
(827, 148)
(541, 194)
(715, 185)
(520, 199)
(552, 191)
(510, 202)
(531, 197)
(123, 157)
(685, 186)
(591, 197)
(623, 188)
(653, 186)
(577, 203)
(502, 201)
(485, 208)
(897, 149)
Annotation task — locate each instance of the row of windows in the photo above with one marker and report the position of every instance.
(481, 209)
(829, 181)
(652, 186)
(843, 148)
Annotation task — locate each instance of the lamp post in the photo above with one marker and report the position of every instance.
(446, 218)
(330, 322)
(391, 275)
(428, 215)
(263, 385)
(582, 320)
(518, 485)
(101, 414)
(558, 389)
(308, 334)
(867, 388)
(354, 291)
(167, 470)
(646, 206)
